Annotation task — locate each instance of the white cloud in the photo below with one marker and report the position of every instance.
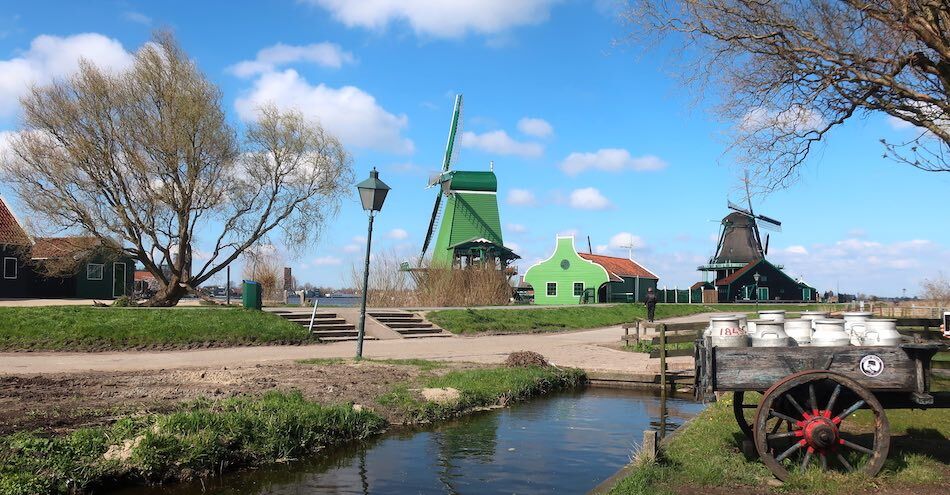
(568, 232)
(624, 240)
(610, 160)
(501, 143)
(270, 58)
(352, 248)
(521, 197)
(513, 246)
(326, 260)
(796, 250)
(137, 17)
(52, 57)
(899, 124)
(348, 112)
(440, 18)
(397, 234)
(516, 228)
(600, 249)
(588, 198)
(797, 119)
(535, 127)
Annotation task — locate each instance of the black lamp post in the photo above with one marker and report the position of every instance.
(372, 194)
(756, 277)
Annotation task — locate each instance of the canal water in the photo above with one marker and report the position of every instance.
(566, 443)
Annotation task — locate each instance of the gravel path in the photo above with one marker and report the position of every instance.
(587, 349)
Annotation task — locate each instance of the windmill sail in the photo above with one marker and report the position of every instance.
(448, 158)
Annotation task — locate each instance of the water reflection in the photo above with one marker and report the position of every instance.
(567, 443)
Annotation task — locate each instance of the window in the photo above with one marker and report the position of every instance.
(9, 268)
(763, 293)
(552, 289)
(578, 289)
(93, 271)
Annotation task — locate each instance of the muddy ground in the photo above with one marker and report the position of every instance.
(63, 402)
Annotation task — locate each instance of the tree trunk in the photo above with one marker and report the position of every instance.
(168, 296)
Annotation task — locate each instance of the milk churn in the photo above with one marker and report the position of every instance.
(854, 325)
(772, 314)
(770, 333)
(830, 333)
(812, 316)
(881, 333)
(799, 330)
(725, 331)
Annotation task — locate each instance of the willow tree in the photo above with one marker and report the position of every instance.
(788, 72)
(146, 161)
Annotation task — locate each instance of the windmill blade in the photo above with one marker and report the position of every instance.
(733, 206)
(769, 223)
(455, 130)
(435, 213)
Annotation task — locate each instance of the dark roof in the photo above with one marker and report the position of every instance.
(11, 232)
(738, 273)
(619, 267)
(701, 285)
(62, 247)
(738, 240)
(480, 242)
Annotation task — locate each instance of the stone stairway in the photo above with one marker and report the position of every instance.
(328, 327)
(408, 325)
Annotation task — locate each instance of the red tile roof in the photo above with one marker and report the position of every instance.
(61, 247)
(619, 267)
(144, 275)
(738, 273)
(11, 232)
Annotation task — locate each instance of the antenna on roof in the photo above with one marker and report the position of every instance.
(589, 248)
(491, 165)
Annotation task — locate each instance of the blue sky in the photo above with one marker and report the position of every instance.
(588, 135)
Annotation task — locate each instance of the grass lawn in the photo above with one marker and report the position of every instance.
(71, 328)
(705, 457)
(531, 320)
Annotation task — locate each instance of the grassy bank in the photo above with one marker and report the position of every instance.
(479, 388)
(204, 438)
(530, 320)
(705, 457)
(71, 328)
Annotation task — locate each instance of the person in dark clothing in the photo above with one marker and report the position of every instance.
(650, 303)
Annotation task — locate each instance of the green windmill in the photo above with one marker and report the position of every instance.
(469, 224)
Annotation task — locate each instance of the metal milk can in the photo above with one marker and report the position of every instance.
(830, 333)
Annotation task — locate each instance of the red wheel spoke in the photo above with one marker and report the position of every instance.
(847, 412)
(844, 462)
(789, 452)
(854, 446)
(834, 397)
(776, 414)
(788, 434)
(806, 460)
(812, 399)
(796, 405)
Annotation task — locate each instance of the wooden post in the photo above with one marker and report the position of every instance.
(662, 328)
(648, 449)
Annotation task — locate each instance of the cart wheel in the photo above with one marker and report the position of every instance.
(743, 407)
(815, 404)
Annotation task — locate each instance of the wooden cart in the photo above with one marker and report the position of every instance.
(796, 403)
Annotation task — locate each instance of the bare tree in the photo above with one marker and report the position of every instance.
(146, 160)
(790, 71)
(266, 267)
(936, 289)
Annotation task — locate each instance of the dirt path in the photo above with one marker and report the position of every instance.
(582, 349)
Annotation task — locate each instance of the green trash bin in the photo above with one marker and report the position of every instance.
(251, 295)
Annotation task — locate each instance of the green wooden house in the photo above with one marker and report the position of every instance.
(569, 277)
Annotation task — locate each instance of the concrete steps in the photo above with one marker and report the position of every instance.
(407, 325)
(328, 327)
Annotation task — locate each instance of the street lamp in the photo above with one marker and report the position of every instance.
(756, 277)
(372, 194)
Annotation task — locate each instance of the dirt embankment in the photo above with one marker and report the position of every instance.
(62, 402)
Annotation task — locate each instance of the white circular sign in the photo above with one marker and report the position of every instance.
(871, 365)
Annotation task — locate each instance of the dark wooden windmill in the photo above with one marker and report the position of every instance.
(740, 241)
